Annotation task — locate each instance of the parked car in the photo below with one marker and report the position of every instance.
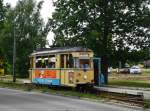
(135, 70)
(110, 70)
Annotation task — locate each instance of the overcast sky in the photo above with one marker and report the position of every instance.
(46, 12)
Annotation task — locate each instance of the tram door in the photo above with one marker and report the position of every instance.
(66, 72)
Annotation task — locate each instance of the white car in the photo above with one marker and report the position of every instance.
(135, 70)
(110, 69)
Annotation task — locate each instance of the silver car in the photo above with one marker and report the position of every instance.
(135, 70)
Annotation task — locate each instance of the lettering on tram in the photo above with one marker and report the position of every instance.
(65, 66)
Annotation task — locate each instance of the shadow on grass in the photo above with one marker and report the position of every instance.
(64, 91)
(147, 103)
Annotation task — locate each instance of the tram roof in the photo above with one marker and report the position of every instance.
(60, 50)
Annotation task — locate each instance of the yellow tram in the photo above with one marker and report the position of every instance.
(65, 66)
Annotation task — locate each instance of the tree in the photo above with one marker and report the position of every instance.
(25, 23)
(103, 25)
(2, 13)
(2, 17)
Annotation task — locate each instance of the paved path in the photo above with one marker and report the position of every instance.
(125, 90)
(13, 100)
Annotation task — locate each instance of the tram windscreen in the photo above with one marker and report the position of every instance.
(82, 63)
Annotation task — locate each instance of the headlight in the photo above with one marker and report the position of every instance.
(85, 76)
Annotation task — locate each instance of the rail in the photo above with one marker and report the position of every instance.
(130, 96)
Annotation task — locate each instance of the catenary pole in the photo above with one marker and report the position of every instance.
(14, 55)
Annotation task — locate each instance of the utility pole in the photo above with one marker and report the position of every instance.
(14, 54)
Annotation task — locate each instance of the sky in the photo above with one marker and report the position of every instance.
(46, 12)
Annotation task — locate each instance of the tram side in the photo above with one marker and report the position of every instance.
(62, 68)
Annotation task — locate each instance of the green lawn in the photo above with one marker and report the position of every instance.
(147, 104)
(131, 80)
(131, 83)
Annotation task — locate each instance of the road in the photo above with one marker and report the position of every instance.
(13, 100)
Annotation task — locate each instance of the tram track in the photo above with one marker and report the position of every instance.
(128, 98)
(136, 99)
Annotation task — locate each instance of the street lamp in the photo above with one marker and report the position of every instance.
(14, 52)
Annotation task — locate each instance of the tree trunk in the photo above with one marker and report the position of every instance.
(104, 57)
(104, 62)
(104, 68)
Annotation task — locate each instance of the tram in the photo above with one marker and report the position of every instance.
(64, 66)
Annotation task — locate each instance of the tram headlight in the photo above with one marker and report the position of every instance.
(71, 79)
(85, 77)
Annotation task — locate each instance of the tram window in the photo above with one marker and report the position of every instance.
(51, 61)
(66, 61)
(45, 64)
(84, 63)
(42, 62)
(76, 62)
(38, 62)
(69, 61)
(62, 61)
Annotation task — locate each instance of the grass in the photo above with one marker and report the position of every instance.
(147, 104)
(130, 80)
(144, 84)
